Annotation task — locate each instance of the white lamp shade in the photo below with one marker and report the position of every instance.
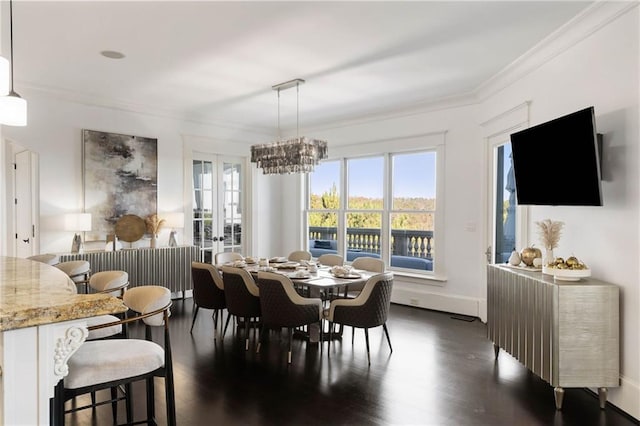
(174, 220)
(13, 110)
(77, 222)
(4, 76)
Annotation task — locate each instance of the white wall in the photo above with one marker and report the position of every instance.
(55, 132)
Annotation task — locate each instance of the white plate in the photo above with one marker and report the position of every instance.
(295, 276)
(566, 274)
(286, 265)
(350, 275)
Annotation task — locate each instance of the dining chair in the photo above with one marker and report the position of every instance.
(369, 309)
(243, 299)
(331, 259)
(364, 263)
(208, 292)
(105, 364)
(227, 256)
(298, 255)
(283, 307)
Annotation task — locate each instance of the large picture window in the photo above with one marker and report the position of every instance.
(381, 206)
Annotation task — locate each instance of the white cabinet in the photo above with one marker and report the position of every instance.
(566, 332)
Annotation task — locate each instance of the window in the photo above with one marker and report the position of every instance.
(388, 209)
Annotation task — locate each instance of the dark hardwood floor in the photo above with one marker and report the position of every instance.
(441, 372)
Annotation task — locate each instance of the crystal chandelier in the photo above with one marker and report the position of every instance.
(297, 155)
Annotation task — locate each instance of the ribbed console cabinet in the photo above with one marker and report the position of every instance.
(166, 266)
(566, 332)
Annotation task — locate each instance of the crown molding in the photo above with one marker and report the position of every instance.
(588, 22)
(144, 109)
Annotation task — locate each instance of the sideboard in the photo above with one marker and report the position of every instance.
(166, 266)
(566, 332)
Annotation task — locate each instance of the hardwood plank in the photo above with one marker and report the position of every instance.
(441, 372)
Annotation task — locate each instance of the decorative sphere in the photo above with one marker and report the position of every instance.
(528, 254)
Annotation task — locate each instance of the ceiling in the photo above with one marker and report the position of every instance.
(215, 62)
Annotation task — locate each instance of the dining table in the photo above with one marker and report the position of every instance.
(322, 282)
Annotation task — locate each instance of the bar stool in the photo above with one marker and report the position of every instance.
(114, 283)
(78, 270)
(48, 258)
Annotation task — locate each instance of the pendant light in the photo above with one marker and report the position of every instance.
(297, 155)
(13, 109)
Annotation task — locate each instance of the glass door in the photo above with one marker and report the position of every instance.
(217, 205)
(504, 205)
(232, 206)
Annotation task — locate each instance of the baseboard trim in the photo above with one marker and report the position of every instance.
(626, 397)
(437, 301)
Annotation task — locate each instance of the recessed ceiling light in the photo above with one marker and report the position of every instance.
(112, 54)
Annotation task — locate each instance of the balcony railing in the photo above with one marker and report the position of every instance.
(403, 242)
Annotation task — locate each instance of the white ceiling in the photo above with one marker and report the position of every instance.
(216, 61)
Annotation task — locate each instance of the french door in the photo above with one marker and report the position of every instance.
(217, 204)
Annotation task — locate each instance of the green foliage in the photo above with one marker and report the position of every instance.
(410, 221)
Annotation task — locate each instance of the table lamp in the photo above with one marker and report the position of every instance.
(174, 221)
(77, 222)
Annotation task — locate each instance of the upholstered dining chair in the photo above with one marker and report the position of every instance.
(208, 292)
(364, 263)
(331, 259)
(298, 255)
(369, 309)
(226, 256)
(282, 307)
(243, 299)
(105, 364)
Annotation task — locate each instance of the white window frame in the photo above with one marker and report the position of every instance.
(437, 145)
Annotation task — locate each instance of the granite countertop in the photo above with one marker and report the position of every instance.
(33, 293)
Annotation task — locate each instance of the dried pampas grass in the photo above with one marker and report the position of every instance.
(154, 223)
(550, 232)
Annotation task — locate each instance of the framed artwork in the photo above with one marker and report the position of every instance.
(120, 174)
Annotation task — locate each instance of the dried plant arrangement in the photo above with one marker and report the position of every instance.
(154, 224)
(550, 232)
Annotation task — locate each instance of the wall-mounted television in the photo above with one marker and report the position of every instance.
(557, 163)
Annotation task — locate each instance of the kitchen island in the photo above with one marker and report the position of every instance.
(42, 323)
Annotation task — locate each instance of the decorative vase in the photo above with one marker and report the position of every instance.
(548, 256)
(154, 239)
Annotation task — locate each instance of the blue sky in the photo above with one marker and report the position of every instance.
(414, 176)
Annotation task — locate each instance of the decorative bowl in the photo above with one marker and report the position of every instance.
(566, 274)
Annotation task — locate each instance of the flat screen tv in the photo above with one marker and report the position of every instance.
(557, 163)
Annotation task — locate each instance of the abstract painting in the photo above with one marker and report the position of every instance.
(120, 177)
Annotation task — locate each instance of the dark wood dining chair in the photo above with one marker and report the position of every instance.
(208, 293)
(243, 299)
(369, 309)
(283, 307)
